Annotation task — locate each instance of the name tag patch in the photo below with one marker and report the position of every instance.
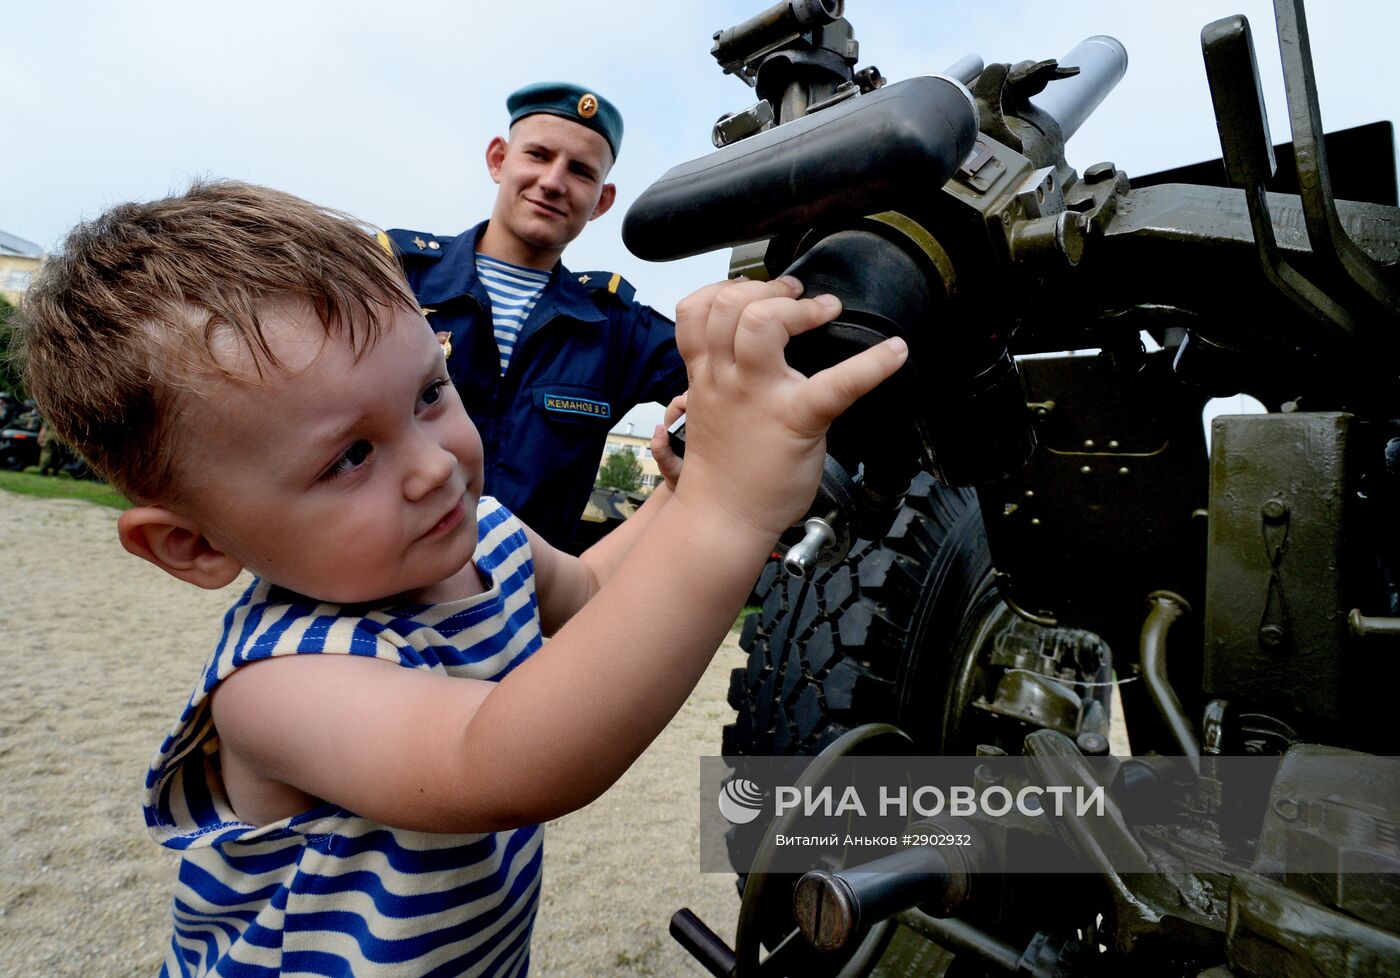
(577, 405)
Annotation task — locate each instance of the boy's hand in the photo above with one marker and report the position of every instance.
(666, 460)
(755, 427)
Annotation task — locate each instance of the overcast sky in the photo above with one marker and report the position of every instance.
(385, 110)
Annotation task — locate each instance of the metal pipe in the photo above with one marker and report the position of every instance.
(1166, 608)
(965, 69)
(1366, 626)
(1101, 61)
(957, 936)
(832, 908)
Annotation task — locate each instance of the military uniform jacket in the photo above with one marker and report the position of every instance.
(586, 355)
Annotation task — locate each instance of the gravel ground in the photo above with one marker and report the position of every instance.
(98, 653)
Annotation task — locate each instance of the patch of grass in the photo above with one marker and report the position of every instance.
(62, 487)
(739, 622)
(641, 961)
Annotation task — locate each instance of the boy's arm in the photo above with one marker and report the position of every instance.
(564, 583)
(426, 752)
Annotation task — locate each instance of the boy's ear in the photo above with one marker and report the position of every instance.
(605, 201)
(177, 546)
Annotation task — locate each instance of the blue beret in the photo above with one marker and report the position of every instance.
(569, 102)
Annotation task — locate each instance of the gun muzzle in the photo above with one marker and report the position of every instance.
(1101, 61)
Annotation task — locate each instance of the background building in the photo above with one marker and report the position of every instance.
(19, 260)
(623, 437)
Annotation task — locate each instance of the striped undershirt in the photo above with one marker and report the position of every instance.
(514, 290)
(328, 892)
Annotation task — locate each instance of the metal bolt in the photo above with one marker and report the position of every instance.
(1085, 470)
(1030, 493)
(825, 910)
(1091, 742)
(1035, 521)
(804, 557)
(1124, 471)
(1113, 443)
(1089, 443)
(1271, 636)
(1275, 510)
(1099, 172)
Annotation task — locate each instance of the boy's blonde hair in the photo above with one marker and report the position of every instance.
(125, 316)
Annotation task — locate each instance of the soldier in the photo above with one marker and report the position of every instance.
(546, 360)
(53, 452)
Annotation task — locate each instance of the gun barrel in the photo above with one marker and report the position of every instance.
(965, 69)
(1101, 61)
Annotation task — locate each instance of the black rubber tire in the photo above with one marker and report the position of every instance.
(894, 634)
(872, 639)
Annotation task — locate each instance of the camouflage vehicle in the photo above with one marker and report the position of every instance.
(1006, 532)
(605, 512)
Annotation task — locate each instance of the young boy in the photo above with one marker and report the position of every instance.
(358, 780)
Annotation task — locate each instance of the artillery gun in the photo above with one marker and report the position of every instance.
(1027, 517)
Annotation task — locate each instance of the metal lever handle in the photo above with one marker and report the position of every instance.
(703, 944)
(1233, 74)
(1329, 238)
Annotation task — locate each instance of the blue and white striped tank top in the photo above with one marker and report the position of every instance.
(327, 892)
(514, 290)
